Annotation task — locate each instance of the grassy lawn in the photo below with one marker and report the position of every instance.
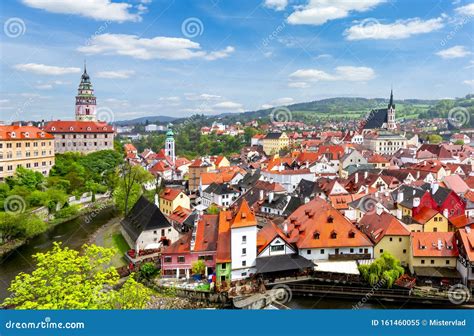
(120, 242)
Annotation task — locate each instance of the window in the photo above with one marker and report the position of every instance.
(168, 259)
(244, 239)
(391, 239)
(322, 251)
(244, 251)
(381, 250)
(447, 262)
(352, 250)
(308, 251)
(422, 261)
(181, 259)
(223, 266)
(432, 262)
(404, 251)
(244, 274)
(277, 248)
(435, 229)
(244, 263)
(400, 240)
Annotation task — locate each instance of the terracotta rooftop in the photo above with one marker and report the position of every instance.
(433, 244)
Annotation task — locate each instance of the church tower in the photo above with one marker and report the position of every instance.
(85, 99)
(391, 125)
(169, 145)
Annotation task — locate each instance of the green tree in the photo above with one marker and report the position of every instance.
(147, 271)
(67, 279)
(435, 138)
(26, 178)
(386, 268)
(198, 267)
(213, 209)
(129, 187)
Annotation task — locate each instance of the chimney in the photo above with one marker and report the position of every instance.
(306, 200)
(446, 213)
(357, 178)
(366, 174)
(157, 200)
(271, 179)
(285, 229)
(271, 194)
(261, 195)
(379, 210)
(440, 244)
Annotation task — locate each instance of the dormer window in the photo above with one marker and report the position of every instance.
(330, 219)
(88, 128)
(42, 134)
(53, 128)
(13, 135)
(27, 135)
(316, 235)
(333, 235)
(352, 234)
(71, 128)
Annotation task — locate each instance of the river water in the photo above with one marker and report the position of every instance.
(72, 234)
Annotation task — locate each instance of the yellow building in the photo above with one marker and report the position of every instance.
(196, 168)
(171, 198)
(388, 235)
(274, 142)
(430, 251)
(25, 146)
(431, 221)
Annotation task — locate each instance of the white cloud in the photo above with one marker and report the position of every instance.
(229, 106)
(159, 47)
(454, 52)
(95, 9)
(467, 10)
(348, 73)
(372, 29)
(42, 69)
(298, 85)
(266, 106)
(119, 74)
(283, 101)
(44, 86)
(318, 12)
(173, 101)
(203, 96)
(469, 82)
(219, 54)
(277, 5)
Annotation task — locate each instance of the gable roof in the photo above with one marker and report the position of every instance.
(377, 226)
(144, 216)
(206, 233)
(170, 194)
(243, 217)
(223, 254)
(433, 244)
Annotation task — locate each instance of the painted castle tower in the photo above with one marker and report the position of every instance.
(170, 145)
(85, 99)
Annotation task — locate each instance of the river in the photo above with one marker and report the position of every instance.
(72, 234)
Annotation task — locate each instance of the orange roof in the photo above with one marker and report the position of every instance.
(223, 240)
(424, 215)
(317, 224)
(377, 158)
(267, 233)
(78, 127)
(377, 226)
(467, 238)
(244, 216)
(16, 132)
(129, 147)
(206, 233)
(179, 214)
(170, 194)
(433, 244)
(341, 201)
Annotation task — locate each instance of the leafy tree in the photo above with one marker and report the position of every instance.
(198, 267)
(386, 268)
(37, 198)
(459, 142)
(27, 178)
(147, 271)
(213, 210)
(67, 279)
(435, 138)
(130, 186)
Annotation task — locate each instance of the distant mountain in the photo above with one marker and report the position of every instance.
(145, 120)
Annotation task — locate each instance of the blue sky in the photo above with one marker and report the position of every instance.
(178, 58)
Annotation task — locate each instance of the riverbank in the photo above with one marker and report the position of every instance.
(86, 210)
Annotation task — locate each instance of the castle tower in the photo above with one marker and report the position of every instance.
(85, 99)
(391, 125)
(169, 145)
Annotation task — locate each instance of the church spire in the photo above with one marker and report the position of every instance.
(390, 104)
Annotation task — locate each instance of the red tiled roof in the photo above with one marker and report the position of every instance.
(267, 234)
(424, 215)
(467, 238)
(78, 127)
(377, 226)
(223, 254)
(170, 194)
(179, 214)
(244, 216)
(433, 244)
(206, 233)
(16, 132)
(319, 219)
